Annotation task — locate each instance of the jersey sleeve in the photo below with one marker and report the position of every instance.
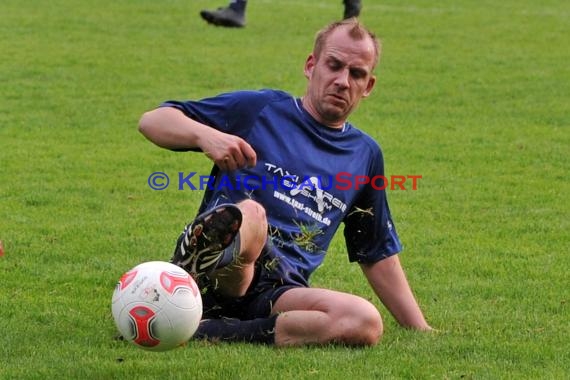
(234, 112)
(369, 231)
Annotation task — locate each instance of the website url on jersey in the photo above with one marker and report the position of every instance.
(340, 181)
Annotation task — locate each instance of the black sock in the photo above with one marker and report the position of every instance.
(259, 330)
(238, 5)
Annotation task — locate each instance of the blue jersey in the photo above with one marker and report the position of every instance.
(304, 178)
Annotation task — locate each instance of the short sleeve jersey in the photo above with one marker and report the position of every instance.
(305, 178)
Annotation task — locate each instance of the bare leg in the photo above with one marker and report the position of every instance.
(320, 316)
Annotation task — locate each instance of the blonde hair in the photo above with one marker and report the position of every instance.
(356, 31)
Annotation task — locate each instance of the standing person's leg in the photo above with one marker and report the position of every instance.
(352, 8)
(231, 16)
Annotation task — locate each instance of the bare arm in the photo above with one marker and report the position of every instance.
(390, 284)
(169, 128)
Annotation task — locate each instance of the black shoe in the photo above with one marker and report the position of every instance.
(202, 244)
(224, 17)
(352, 8)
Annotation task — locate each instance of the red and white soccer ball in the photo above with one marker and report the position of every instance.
(157, 306)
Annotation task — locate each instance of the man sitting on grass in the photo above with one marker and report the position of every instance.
(253, 248)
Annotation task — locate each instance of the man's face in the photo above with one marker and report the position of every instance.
(339, 77)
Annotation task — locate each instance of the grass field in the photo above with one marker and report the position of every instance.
(472, 95)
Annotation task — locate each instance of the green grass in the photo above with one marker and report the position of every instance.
(472, 95)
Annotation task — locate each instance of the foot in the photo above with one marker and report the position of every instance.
(204, 240)
(352, 8)
(224, 17)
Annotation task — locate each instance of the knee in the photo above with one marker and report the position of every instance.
(253, 212)
(253, 230)
(363, 326)
(372, 328)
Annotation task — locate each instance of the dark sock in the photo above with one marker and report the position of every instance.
(238, 5)
(259, 330)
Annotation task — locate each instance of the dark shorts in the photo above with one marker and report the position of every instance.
(256, 303)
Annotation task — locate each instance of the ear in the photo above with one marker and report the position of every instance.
(369, 86)
(309, 65)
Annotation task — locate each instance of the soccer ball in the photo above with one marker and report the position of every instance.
(157, 306)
